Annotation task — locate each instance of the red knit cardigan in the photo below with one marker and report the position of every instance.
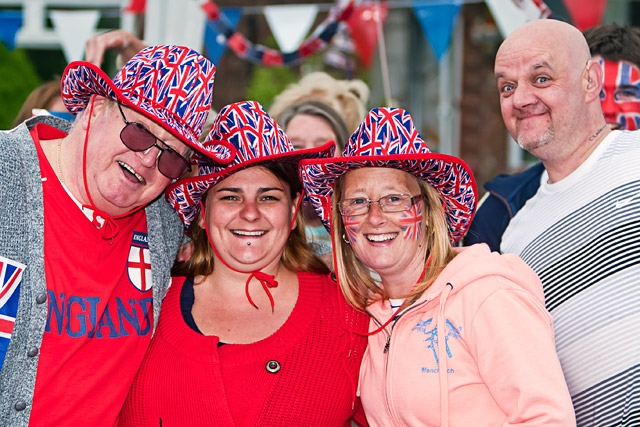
(305, 374)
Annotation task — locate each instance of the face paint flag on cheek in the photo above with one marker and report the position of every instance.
(411, 222)
(620, 95)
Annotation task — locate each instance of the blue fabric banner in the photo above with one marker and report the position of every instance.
(437, 21)
(10, 23)
(215, 42)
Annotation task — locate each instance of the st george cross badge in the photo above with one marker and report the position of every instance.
(139, 262)
(10, 279)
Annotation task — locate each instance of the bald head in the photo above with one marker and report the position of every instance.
(556, 38)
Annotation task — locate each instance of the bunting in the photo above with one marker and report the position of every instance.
(265, 56)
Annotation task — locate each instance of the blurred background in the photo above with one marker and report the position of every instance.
(431, 57)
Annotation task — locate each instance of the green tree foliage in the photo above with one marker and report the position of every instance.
(17, 79)
(267, 82)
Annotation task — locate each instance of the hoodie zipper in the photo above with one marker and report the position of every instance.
(385, 351)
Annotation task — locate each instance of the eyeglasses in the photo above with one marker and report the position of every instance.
(389, 204)
(136, 137)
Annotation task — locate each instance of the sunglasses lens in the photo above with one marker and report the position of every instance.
(171, 165)
(137, 138)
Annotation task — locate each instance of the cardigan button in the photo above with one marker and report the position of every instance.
(273, 366)
(20, 405)
(33, 352)
(41, 298)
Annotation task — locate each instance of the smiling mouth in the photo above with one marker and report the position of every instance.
(248, 233)
(381, 237)
(132, 172)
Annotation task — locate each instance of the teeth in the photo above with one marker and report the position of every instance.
(381, 237)
(249, 233)
(130, 169)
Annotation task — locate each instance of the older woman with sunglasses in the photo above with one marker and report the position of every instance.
(458, 337)
(254, 332)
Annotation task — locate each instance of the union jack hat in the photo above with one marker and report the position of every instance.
(242, 135)
(171, 85)
(388, 138)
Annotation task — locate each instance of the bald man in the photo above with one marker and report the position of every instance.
(581, 230)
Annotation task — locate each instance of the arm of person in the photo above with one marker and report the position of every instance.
(516, 355)
(125, 43)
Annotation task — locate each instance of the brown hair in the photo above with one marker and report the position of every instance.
(614, 43)
(40, 97)
(296, 255)
(354, 277)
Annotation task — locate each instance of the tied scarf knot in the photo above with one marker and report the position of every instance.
(267, 281)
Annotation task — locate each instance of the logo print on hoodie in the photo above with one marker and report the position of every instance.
(431, 336)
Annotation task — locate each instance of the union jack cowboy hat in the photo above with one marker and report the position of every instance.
(171, 85)
(242, 135)
(388, 138)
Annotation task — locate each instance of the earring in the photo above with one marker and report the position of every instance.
(344, 237)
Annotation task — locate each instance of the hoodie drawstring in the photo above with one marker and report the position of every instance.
(442, 357)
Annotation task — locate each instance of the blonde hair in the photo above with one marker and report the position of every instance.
(354, 277)
(347, 97)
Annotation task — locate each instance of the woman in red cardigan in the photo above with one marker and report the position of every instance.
(254, 332)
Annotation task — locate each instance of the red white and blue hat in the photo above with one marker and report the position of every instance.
(242, 135)
(388, 138)
(171, 85)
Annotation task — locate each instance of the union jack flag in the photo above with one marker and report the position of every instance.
(623, 104)
(351, 224)
(11, 277)
(411, 222)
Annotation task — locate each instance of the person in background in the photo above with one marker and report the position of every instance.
(85, 246)
(254, 332)
(617, 49)
(310, 124)
(347, 97)
(45, 99)
(458, 337)
(580, 231)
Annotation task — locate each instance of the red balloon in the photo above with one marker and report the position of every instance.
(586, 13)
(363, 26)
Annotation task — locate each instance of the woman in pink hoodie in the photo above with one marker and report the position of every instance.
(458, 336)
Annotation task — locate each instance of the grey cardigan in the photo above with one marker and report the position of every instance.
(22, 239)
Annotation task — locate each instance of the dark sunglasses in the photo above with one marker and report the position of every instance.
(136, 137)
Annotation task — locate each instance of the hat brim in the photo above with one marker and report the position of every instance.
(82, 79)
(185, 195)
(449, 175)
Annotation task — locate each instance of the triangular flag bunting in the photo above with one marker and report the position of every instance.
(507, 15)
(10, 23)
(363, 28)
(135, 6)
(437, 22)
(215, 42)
(74, 28)
(290, 24)
(586, 13)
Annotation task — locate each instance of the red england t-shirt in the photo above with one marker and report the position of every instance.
(100, 309)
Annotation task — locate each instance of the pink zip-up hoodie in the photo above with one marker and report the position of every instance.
(476, 350)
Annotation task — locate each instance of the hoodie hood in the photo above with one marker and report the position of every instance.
(477, 262)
